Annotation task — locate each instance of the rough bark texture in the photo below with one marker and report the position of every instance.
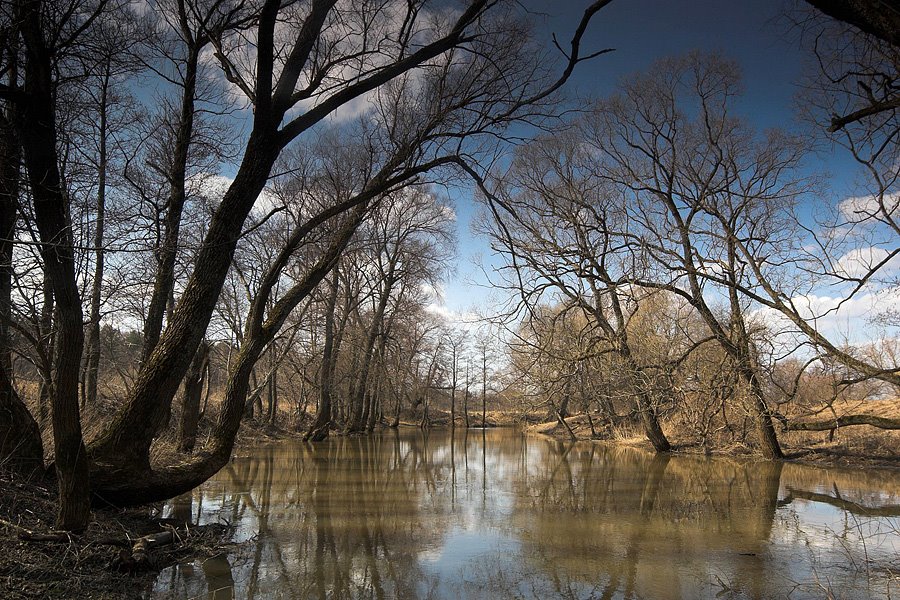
(166, 254)
(127, 441)
(10, 160)
(880, 18)
(38, 136)
(21, 449)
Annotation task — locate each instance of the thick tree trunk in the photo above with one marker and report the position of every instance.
(880, 18)
(21, 449)
(126, 443)
(38, 136)
(10, 161)
(650, 422)
(762, 417)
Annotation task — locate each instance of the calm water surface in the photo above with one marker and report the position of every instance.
(498, 514)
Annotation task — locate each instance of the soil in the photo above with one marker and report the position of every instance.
(852, 447)
(37, 562)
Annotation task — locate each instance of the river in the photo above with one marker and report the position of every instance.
(500, 514)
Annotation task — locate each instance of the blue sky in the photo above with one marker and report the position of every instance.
(757, 34)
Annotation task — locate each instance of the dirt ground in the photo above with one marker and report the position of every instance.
(37, 562)
(856, 446)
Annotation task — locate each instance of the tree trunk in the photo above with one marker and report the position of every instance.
(190, 408)
(164, 282)
(38, 136)
(126, 443)
(318, 431)
(47, 339)
(10, 161)
(92, 344)
(762, 418)
(21, 448)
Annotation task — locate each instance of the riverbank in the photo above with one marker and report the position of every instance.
(39, 562)
(861, 447)
(117, 556)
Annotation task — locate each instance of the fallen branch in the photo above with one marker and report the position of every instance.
(844, 421)
(847, 505)
(27, 535)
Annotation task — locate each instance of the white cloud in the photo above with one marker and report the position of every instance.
(841, 320)
(859, 209)
(466, 320)
(859, 261)
(213, 188)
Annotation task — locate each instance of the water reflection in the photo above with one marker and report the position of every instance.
(493, 514)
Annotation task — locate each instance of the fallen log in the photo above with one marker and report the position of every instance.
(843, 421)
(138, 558)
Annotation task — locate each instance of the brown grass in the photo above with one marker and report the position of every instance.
(82, 566)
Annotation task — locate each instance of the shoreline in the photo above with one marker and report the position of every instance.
(94, 563)
(826, 456)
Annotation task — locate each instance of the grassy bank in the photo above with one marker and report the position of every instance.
(858, 446)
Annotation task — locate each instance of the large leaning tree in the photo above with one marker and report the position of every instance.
(426, 87)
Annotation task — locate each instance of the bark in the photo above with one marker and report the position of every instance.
(127, 441)
(136, 483)
(38, 135)
(318, 431)
(164, 282)
(21, 449)
(47, 338)
(739, 347)
(10, 160)
(190, 407)
(880, 18)
(762, 417)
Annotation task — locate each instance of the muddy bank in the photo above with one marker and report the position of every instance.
(117, 556)
(863, 447)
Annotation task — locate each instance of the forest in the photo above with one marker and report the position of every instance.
(222, 212)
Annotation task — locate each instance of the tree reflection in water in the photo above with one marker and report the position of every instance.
(488, 514)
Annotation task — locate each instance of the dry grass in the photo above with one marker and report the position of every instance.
(850, 446)
(82, 566)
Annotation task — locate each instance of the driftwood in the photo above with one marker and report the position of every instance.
(844, 421)
(27, 535)
(138, 557)
(59, 537)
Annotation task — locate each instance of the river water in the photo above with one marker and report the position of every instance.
(499, 514)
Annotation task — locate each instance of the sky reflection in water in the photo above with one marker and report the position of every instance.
(495, 514)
